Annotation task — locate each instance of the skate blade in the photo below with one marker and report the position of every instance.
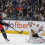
(7, 40)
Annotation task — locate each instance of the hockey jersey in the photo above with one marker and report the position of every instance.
(36, 27)
(1, 23)
(1, 27)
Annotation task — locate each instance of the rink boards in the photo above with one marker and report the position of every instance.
(20, 25)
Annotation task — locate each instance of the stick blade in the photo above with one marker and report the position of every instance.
(21, 32)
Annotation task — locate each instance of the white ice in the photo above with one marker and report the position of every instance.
(16, 39)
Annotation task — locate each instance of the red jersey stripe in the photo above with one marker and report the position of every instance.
(41, 27)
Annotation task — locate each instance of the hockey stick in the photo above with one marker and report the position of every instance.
(14, 29)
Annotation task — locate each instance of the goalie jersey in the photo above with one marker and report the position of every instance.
(36, 27)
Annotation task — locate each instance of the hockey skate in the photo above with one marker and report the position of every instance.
(7, 40)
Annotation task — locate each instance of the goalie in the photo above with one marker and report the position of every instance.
(36, 30)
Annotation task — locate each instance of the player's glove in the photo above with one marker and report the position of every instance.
(7, 24)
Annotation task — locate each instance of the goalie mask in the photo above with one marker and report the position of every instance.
(30, 23)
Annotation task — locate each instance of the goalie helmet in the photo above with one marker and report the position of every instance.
(30, 23)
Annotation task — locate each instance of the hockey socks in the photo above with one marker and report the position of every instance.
(4, 34)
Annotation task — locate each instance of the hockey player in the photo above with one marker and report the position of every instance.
(36, 31)
(1, 27)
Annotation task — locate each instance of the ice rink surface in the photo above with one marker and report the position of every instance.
(16, 39)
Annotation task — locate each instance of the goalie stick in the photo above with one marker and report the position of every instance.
(14, 29)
